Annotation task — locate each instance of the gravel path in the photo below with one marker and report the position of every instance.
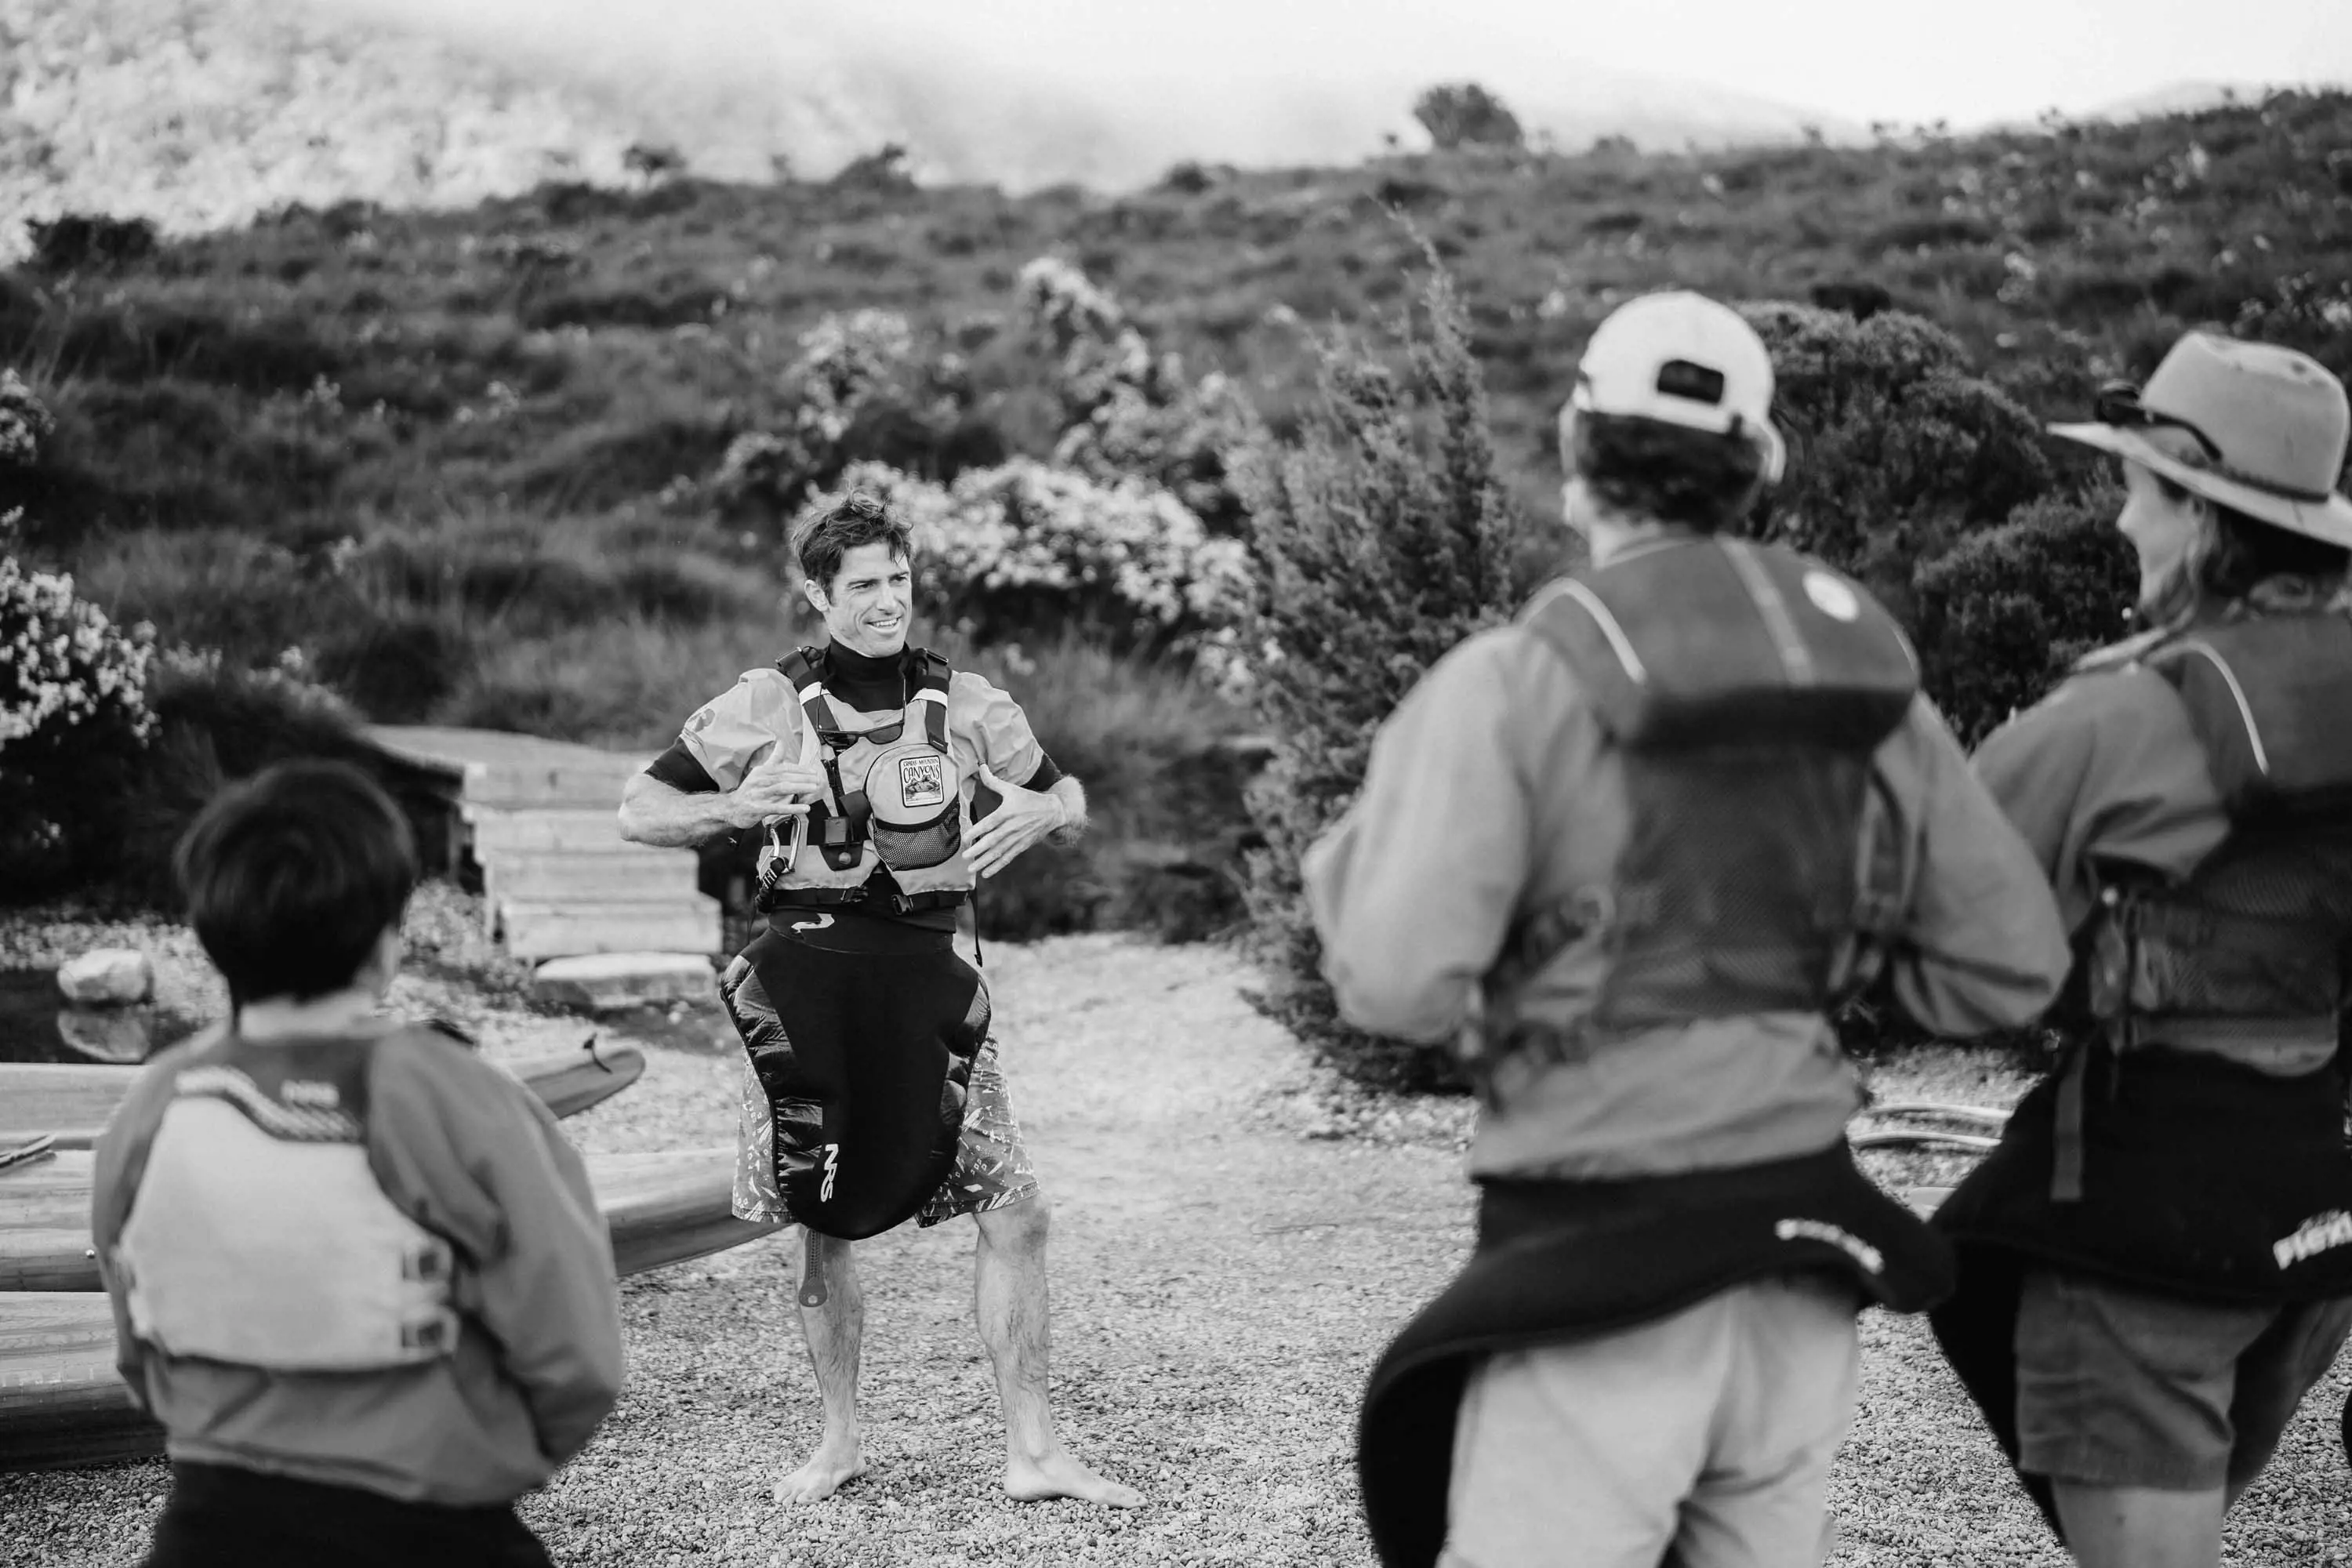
(1234, 1239)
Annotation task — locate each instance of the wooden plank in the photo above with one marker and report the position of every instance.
(496, 830)
(71, 1102)
(595, 876)
(657, 1207)
(563, 931)
(61, 1402)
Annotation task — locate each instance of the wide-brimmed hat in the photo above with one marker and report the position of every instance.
(2269, 427)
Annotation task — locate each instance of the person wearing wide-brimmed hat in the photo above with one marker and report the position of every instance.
(2156, 1263)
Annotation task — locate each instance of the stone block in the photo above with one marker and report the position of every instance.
(107, 976)
(606, 980)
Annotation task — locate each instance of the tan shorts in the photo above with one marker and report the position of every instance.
(992, 1163)
(2120, 1387)
(1708, 1433)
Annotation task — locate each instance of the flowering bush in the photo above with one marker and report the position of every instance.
(25, 424)
(1023, 547)
(856, 370)
(73, 720)
(1127, 411)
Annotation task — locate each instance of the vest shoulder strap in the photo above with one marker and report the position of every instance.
(1715, 642)
(2266, 698)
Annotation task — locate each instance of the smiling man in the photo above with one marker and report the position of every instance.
(885, 783)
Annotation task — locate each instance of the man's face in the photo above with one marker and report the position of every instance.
(868, 603)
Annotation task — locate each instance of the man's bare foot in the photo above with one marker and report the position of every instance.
(827, 1471)
(1059, 1475)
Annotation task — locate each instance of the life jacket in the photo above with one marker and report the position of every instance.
(258, 1233)
(894, 798)
(2246, 957)
(1747, 688)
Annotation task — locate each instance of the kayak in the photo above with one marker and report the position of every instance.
(71, 1102)
(659, 1208)
(62, 1404)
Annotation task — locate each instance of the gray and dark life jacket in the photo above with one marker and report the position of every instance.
(894, 798)
(2244, 958)
(1748, 688)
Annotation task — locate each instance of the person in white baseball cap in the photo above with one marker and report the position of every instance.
(2153, 1262)
(1627, 854)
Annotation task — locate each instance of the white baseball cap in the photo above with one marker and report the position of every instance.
(1683, 359)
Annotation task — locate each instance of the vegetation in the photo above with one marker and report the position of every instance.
(526, 464)
(1384, 539)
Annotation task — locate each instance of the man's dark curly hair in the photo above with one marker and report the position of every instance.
(1666, 473)
(858, 518)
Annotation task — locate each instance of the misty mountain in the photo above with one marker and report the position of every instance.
(202, 112)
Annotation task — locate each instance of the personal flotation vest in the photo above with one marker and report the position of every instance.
(2245, 957)
(258, 1235)
(1747, 688)
(894, 798)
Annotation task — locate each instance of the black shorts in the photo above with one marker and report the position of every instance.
(220, 1516)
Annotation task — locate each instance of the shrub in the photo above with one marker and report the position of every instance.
(1896, 446)
(73, 723)
(1127, 411)
(214, 724)
(1463, 114)
(1383, 535)
(2003, 615)
(25, 425)
(1153, 747)
(1025, 549)
(79, 240)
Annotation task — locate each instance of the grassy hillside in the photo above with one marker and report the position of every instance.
(458, 464)
(565, 354)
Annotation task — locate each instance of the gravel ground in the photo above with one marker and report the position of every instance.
(1234, 1238)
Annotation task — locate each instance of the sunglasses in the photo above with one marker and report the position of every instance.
(2118, 404)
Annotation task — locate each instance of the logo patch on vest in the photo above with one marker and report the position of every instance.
(2313, 1236)
(1845, 1241)
(922, 780)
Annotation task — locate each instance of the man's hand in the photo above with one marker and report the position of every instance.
(777, 787)
(1023, 817)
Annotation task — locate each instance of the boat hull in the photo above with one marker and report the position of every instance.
(71, 1102)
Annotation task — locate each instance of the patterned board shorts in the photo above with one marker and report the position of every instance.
(992, 1163)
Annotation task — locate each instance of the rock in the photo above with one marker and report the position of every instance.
(106, 1034)
(601, 981)
(106, 976)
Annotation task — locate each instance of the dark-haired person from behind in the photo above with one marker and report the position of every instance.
(356, 1272)
(2155, 1263)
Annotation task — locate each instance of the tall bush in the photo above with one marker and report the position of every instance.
(1383, 534)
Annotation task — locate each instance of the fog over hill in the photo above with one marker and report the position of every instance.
(201, 112)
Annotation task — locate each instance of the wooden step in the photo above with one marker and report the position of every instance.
(614, 876)
(535, 930)
(497, 830)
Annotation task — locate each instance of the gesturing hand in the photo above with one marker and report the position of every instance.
(777, 787)
(1025, 816)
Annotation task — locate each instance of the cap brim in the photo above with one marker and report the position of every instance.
(2328, 520)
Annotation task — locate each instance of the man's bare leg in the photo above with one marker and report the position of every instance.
(2138, 1527)
(1010, 1289)
(832, 1331)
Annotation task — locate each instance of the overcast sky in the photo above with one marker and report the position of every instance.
(1965, 60)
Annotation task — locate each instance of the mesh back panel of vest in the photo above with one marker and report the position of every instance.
(1738, 884)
